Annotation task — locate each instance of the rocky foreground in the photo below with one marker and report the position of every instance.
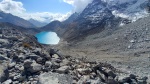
(24, 61)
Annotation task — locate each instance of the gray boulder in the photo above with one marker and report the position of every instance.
(55, 56)
(11, 65)
(35, 68)
(48, 64)
(3, 73)
(63, 69)
(4, 41)
(33, 57)
(54, 78)
(9, 81)
(27, 63)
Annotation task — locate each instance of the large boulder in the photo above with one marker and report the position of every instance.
(8, 82)
(63, 69)
(4, 41)
(54, 78)
(32, 67)
(3, 73)
(2, 57)
(35, 68)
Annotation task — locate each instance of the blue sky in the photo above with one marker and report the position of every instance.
(55, 6)
(43, 10)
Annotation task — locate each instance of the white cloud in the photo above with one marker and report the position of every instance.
(45, 16)
(16, 8)
(78, 4)
(69, 1)
(9, 6)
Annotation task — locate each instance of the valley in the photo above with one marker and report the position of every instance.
(107, 43)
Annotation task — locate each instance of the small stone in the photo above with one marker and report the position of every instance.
(21, 57)
(132, 76)
(22, 78)
(21, 68)
(35, 68)
(124, 80)
(129, 47)
(16, 66)
(63, 69)
(3, 73)
(11, 75)
(116, 38)
(74, 82)
(148, 81)
(101, 76)
(111, 81)
(34, 82)
(2, 58)
(48, 64)
(16, 77)
(37, 51)
(47, 56)
(55, 65)
(27, 63)
(64, 62)
(134, 81)
(84, 71)
(55, 56)
(11, 65)
(40, 60)
(132, 41)
(34, 57)
(9, 81)
(15, 82)
(141, 82)
(92, 75)
(54, 78)
(110, 73)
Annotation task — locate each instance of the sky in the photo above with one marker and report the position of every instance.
(43, 10)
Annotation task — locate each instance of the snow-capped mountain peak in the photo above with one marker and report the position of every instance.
(129, 9)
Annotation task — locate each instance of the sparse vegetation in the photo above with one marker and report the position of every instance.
(26, 45)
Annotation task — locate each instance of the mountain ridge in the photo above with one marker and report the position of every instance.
(7, 17)
(37, 23)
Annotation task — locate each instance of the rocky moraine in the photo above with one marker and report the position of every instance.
(24, 61)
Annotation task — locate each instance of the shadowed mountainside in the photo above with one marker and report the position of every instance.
(7, 17)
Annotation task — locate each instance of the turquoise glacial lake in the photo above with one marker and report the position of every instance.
(47, 38)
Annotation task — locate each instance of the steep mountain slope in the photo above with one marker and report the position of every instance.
(6, 17)
(100, 15)
(37, 23)
(31, 31)
(53, 26)
(124, 47)
(94, 18)
(56, 25)
(111, 13)
(71, 18)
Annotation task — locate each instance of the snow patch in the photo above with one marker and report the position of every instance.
(133, 17)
